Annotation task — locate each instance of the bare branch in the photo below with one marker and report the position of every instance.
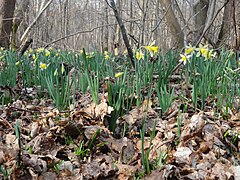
(78, 32)
(24, 36)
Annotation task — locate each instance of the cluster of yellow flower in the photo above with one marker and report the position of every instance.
(203, 51)
(150, 48)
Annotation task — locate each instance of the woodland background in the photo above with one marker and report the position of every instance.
(73, 108)
(91, 24)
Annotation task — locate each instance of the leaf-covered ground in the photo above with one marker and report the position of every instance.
(39, 142)
(165, 124)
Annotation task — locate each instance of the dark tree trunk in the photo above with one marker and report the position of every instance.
(6, 20)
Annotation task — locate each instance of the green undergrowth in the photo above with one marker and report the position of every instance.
(201, 81)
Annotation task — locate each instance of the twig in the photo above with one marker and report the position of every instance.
(159, 22)
(132, 36)
(5, 122)
(78, 32)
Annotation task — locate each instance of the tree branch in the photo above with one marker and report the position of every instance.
(24, 36)
(123, 31)
(78, 32)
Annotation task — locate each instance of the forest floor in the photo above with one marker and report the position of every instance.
(79, 146)
(38, 141)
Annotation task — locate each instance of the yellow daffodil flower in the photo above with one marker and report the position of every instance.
(184, 58)
(62, 69)
(152, 49)
(55, 72)
(106, 53)
(202, 50)
(43, 66)
(17, 63)
(40, 50)
(139, 55)
(47, 53)
(31, 50)
(118, 74)
(210, 54)
(34, 57)
(189, 49)
(106, 56)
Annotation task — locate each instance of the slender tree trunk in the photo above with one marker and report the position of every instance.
(6, 20)
(105, 29)
(21, 9)
(200, 10)
(226, 24)
(172, 23)
(237, 15)
(144, 12)
(123, 31)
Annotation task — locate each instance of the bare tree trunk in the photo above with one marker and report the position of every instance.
(105, 29)
(6, 20)
(226, 24)
(200, 10)
(123, 31)
(144, 12)
(172, 23)
(237, 15)
(21, 9)
(24, 36)
(156, 31)
(210, 15)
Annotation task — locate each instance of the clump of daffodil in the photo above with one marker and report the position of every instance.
(117, 75)
(202, 50)
(205, 52)
(43, 66)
